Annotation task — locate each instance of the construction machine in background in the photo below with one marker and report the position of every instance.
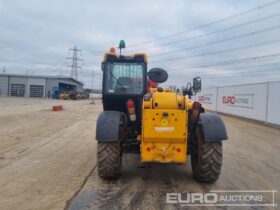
(64, 95)
(74, 95)
(70, 95)
(163, 126)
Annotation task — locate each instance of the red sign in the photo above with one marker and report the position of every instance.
(239, 100)
(206, 99)
(228, 99)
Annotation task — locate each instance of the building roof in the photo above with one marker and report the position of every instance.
(42, 76)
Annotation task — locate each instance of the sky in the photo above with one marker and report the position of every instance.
(225, 42)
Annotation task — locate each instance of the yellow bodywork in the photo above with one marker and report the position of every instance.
(164, 127)
(64, 96)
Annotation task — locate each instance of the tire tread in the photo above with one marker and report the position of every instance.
(108, 160)
(208, 168)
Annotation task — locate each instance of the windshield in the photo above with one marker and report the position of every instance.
(124, 78)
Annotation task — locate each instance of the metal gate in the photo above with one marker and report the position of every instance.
(17, 89)
(36, 91)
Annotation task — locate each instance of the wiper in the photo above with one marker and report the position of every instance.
(122, 87)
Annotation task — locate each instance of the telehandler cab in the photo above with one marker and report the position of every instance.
(161, 125)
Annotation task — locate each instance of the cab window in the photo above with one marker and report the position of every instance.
(124, 78)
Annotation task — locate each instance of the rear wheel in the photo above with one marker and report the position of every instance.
(206, 159)
(109, 160)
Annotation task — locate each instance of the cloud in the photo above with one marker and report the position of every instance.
(37, 34)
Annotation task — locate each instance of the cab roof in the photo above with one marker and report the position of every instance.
(114, 57)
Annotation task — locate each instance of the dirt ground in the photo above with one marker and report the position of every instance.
(48, 159)
(44, 155)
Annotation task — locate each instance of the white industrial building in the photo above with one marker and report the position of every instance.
(36, 86)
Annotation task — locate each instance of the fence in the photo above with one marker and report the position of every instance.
(254, 101)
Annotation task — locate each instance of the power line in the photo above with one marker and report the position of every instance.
(207, 24)
(218, 41)
(254, 66)
(97, 53)
(239, 74)
(230, 68)
(242, 72)
(210, 23)
(228, 62)
(218, 31)
(234, 74)
(217, 52)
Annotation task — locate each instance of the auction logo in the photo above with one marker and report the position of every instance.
(237, 198)
(206, 98)
(239, 100)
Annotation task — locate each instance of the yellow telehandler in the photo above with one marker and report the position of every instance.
(163, 126)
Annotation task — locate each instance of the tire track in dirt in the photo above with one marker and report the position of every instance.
(248, 164)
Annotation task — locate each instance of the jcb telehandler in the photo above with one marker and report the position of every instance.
(161, 125)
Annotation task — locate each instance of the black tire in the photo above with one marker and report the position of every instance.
(109, 160)
(206, 159)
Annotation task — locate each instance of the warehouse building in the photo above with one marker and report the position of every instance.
(36, 86)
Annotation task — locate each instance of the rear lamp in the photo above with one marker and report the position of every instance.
(130, 104)
(112, 50)
(131, 110)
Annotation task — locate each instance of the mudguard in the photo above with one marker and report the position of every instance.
(213, 127)
(107, 126)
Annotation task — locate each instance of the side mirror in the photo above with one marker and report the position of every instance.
(158, 75)
(196, 84)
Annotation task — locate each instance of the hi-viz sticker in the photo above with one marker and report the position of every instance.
(164, 129)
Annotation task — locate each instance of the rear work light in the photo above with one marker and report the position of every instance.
(131, 110)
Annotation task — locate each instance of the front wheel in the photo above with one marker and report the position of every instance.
(206, 159)
(109, 160)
